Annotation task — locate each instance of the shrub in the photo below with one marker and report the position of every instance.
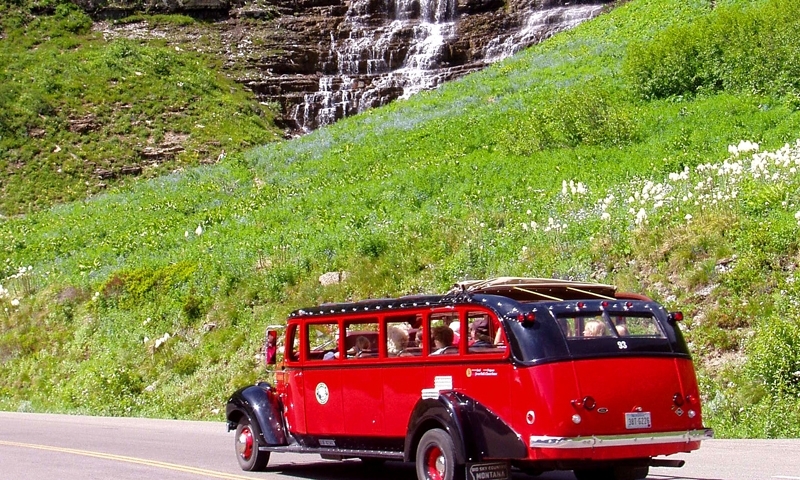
(775, 355)
(749, 48)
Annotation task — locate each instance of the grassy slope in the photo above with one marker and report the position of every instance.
(463, 182)
(79, 113)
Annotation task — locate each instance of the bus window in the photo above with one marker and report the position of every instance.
(362, 339)
(589, 326)
(637, 326)
(322, 341)
(293, 354)
(443, 339)
(484, 334)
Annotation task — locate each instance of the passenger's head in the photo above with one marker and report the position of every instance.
(455, 326)
(622, 330)
(479, 329)
(398, 340)
(594, 329)
(362, 343)
(442, 336)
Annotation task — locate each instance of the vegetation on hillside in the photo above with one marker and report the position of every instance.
(563, 161)
(79, 114)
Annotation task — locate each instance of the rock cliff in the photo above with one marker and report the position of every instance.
(321, 60)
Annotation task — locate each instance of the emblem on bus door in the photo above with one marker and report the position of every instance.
(322, 393)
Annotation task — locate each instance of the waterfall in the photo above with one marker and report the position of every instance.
(370, 63)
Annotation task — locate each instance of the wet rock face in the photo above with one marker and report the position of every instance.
(321, 60)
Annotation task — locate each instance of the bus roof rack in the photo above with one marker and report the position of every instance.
(534, 289)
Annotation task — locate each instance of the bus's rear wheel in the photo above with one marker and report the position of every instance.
(246, 442)
(436, 457)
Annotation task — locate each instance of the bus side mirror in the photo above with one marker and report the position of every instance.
(271, 348)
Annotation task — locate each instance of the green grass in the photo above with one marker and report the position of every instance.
(78, 112)
(556, 162)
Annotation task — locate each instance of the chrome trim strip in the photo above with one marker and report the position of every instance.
(621, 440)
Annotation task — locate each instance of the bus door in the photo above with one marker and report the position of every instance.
(402, 370)
(475, 363)
(486, 369)
(322, 382)
(289, 382)
(362, 379)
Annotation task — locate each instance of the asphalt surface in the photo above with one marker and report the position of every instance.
(63, 447)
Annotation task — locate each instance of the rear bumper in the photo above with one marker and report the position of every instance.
(596, 441)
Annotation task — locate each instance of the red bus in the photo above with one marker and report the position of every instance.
(509, 373)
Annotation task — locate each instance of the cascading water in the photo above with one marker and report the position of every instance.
(411, 48)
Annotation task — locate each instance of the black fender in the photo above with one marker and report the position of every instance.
(262, 406)
(477, 433)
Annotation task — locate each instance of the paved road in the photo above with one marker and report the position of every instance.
(38, 446)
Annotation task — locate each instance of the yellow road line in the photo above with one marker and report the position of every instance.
(122, 458)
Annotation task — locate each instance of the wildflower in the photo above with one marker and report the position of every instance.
(15, 302)
(641, 217)
(688, 217)
(605, 216)
(199, 230)
(746, 146)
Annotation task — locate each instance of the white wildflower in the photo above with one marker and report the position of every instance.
(641, 216)
(199, 230)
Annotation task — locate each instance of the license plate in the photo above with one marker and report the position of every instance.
(637, 420)
(489, 471)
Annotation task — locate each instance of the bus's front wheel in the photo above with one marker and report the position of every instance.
(246, 443)
(436, 457)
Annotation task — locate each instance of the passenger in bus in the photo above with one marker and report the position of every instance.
(621, 326)
(362, 347)
(442, 338)
(594, 329)
(398, 341)
(479, 333)
(455, 326)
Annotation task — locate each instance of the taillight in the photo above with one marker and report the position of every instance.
(529, 317)
(677, 399)
(675, 316)
(587, 402)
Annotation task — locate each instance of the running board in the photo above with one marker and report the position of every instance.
(335, 453)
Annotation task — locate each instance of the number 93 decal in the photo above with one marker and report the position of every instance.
(622, 345)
